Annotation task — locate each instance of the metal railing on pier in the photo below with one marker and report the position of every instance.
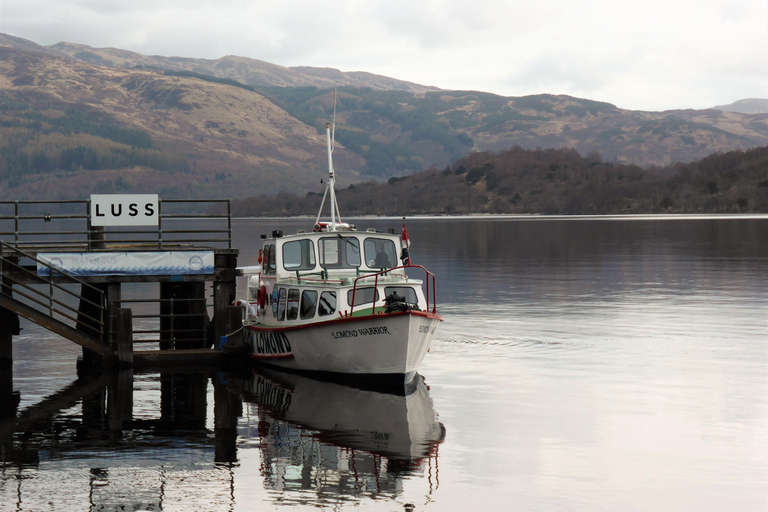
(65, 224)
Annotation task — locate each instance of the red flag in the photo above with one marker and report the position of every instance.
(405, 243)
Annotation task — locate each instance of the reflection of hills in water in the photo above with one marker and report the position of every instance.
(339, 439)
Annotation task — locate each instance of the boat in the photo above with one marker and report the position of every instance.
(337, 300)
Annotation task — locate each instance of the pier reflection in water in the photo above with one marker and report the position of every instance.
(187, 441)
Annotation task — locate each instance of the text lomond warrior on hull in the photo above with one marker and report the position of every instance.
(337, 300)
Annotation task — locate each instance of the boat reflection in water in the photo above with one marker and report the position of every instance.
(340, 440)
(149, 442)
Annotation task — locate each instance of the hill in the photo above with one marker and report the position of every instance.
(241, 69)
(68, 129)
(76, 120)
(548, 182)
(747, 106)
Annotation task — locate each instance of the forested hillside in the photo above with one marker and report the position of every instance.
(76, 120)
(397, 132)
(548, 182)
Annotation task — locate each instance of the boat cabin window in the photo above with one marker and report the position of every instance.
(293, 304)
(269, 259)
(308, 304)
(339, 252)
(281, 303)
(408, 293)
(299, 255)
(327, 305)
(380, 253)
(363, 296)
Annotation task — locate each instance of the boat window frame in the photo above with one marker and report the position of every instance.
(292, 313)
(269, 265)
(362, 292)
(313, 310)
(342, 244)
(412, 296)
(306, 254)
(333, 308)
(282, 303)
(376, 243)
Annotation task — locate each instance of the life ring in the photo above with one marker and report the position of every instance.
(248, 309)
(261, 297)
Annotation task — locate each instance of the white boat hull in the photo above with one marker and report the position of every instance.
(380, 345)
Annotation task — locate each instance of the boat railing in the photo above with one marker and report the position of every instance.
(323, 274)
(429, 288)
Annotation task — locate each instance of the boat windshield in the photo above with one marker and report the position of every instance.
(339, 252)
(380, 253)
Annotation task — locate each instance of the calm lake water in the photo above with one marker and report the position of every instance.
(584, 364)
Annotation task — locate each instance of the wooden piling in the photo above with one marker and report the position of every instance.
(235, 325)
(124, 337)
(224, 290)
(6, 338)
(9, 324)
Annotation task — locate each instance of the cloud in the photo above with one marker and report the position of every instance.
(652, 55)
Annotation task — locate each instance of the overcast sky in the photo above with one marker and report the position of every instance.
(649, 55)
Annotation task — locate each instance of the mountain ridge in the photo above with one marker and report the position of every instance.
(249, 127)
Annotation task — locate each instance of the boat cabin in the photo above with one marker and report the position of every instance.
(307, 276)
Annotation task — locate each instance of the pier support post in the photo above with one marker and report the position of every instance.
(124, 337)
(87, 314)
(235, 326)
(183, 315)
(97, 235)
(114, 297)
(9, 326)
(9, 322)
(224, 289)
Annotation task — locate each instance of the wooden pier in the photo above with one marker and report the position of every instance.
(62, 271)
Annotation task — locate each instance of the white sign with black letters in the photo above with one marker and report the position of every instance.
(124, 209)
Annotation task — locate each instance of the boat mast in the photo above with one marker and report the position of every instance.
(330, 133)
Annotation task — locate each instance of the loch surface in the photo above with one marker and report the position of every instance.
(584, 364)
